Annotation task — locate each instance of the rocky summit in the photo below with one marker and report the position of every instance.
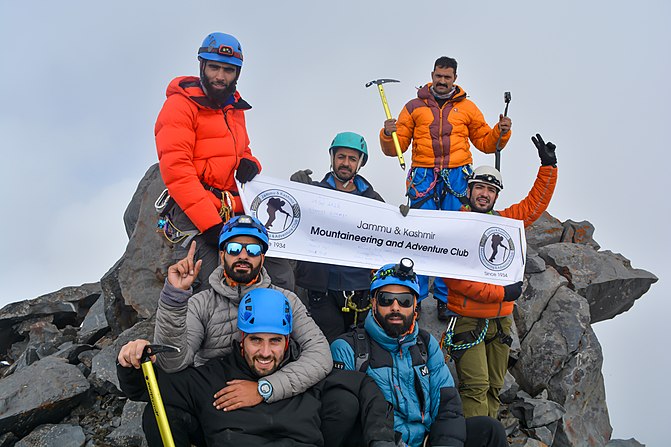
(58, 384)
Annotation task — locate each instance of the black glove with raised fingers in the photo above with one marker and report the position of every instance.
(247, 170)
(546, 151)
(512, 291)
(302, 176)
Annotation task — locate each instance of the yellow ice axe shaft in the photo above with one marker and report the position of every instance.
(379, 83)
(387, 112)
(157, 404)
(155, 393)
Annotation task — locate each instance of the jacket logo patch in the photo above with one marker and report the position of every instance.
(424, 371)
(338, 365)
(278, 211)
(497, 249)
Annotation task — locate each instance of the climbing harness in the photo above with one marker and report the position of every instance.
(447, 340)
(432, 192)
(351, 303)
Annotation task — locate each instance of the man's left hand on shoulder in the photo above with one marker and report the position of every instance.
(505, 123)
(237, 394)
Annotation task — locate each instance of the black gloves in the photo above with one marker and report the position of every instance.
(512, 291)
(546, 151)
(211, 235)
(247, 170)
(301, 176)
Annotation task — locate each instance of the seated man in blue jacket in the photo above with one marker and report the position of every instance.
(312, 418)
(408, 366)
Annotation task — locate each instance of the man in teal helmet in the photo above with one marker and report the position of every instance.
(203, 325)
(337, 296)
(408, 365)
(263, 345)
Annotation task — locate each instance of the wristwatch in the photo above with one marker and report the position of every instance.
(265, 389)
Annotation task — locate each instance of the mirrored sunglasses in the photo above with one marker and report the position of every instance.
(235, 248)
(386, 299)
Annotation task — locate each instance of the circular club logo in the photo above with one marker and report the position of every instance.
(278, 211)
(497, 249)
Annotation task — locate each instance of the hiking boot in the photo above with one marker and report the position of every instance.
(441, 311)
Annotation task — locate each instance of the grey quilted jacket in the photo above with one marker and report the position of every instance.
(203, 327)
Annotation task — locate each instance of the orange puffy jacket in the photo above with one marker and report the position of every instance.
(482, 300)
(198, 142)
(440, 134)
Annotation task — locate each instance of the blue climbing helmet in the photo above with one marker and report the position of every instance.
(350, 140)
(220, 47)
(401, 273)
(265, 311)
(243, 225)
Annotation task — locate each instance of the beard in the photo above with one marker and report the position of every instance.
(271, 368)
(392, 329)
(478, 208)
(215, 92)
(344, 175)
(242, 277)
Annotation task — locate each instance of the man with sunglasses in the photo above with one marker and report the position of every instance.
(202, 326)
(263, 345)
(482, 313)
(203, 147)
(407, 364)
(338, 295)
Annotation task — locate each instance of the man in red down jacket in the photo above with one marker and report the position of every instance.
(202, 142)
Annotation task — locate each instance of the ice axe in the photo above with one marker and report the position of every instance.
(506, 99)
(154, 392)
(379, 83)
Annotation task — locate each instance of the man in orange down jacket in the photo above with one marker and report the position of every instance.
(481, 341)
(202, 142)
(440, 122)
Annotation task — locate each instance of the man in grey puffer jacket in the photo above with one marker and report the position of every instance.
(202, 326)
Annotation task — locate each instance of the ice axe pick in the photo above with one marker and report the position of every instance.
(379, 83)
(506, 99)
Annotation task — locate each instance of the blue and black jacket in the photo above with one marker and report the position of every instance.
(419, 385)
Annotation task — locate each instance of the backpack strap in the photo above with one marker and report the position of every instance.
(361, 349)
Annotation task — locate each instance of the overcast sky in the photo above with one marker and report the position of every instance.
(82, 83)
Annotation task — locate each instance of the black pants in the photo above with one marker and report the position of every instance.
(483, 431)
(184, 427)
(327, 311)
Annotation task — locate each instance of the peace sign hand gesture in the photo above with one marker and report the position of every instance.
(184, 273)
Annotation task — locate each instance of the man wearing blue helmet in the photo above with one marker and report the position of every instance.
(203, 147)
(202, 325)
(407, 364)
(263, 346)
(338, 295)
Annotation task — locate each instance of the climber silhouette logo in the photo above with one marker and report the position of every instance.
(278, 211)
(497, 249)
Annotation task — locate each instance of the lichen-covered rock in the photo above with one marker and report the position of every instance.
(54, 435)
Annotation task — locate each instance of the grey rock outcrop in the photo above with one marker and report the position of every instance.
(59, 350)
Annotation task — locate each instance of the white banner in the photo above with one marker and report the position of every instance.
(310, 223)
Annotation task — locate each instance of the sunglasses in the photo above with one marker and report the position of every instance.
(235, 248)
(386, 299)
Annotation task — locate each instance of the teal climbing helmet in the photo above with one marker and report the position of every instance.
(401, 273)
(265, 311)
(220, 47)
(350, 140)
(243, 225)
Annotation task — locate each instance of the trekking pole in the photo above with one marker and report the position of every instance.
(506, 99)
(154, 392)
(387, 112)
